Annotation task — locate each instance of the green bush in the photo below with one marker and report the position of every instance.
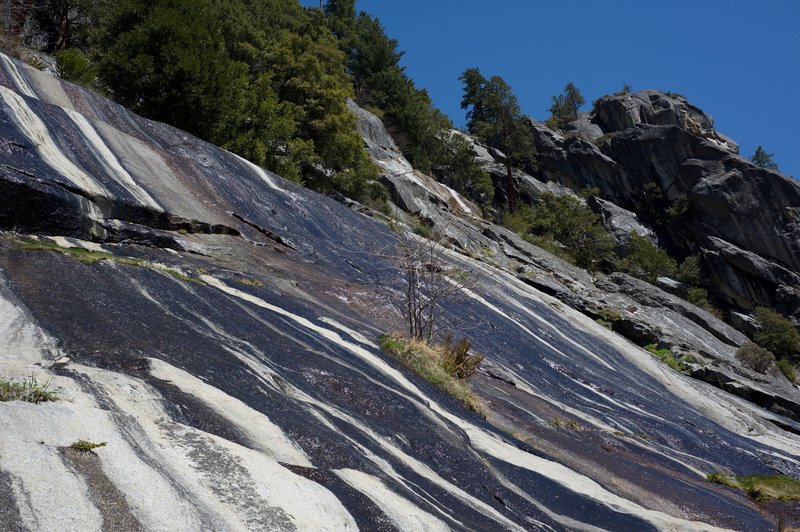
(458, 169)
(788, 370)
(518, 221)
(646, 261)
(73, 66)
(690, 272)
(755, 357)
(565, 227)
(698, 297)
(590, 192)
(84, 446)
(777, 334)
(456, 359)
(679, 210)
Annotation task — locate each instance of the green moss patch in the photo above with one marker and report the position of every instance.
(666, 356)
(90, 257)
(84, 255)
(761, 487)
(84, 446)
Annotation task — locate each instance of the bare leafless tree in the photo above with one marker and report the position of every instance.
(430, 284)
(14, 13)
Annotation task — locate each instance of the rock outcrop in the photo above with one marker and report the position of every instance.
(632, 140)
(216, 326)
(620, 223)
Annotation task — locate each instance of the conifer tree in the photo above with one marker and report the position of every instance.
(264, 79)
(494, 115)
(565, 106)
(421, 131)
(763, 159)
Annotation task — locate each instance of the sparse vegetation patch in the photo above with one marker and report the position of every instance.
(447, 365)
(787, 369)
(26, 389)
(84, 446)
(761, 487)
(755, 357)
(571, 424)
(250, 282)
(777, 334)
(84, 255)
(666, 356)
(608, 317)
(91, 256)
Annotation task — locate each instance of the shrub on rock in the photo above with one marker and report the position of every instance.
(755, 357)
(777, 334)
(646, 261)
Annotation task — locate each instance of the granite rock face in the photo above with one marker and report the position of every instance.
(621, 112)
(217, 327)
(621, 223)
(653, 137)
(641, 312)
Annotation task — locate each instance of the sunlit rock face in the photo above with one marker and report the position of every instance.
(223, 346)
(631, 140)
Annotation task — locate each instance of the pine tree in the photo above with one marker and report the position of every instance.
(495, 116)
(565, 106)
(264, 79)
(420, 130)
(763, 159)
(167, 60)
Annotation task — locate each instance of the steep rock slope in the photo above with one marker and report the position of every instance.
(219, 334)
(639, 311)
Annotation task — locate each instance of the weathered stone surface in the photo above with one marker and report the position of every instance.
(620, 223)
(618, 113)
(412, 191)
(652, 137)
(648, 295)
(766, 391)
(750, 280)
(642, 313)
(584, 127)
(492, 161)
(238, 382)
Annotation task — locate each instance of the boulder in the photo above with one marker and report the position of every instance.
(771, 391)
(647, 295)
(584, 127)
(745, 323)
(620, 223)
(624, 111)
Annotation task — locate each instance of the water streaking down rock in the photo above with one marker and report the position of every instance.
(226, 353)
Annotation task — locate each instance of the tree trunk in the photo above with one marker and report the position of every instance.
(510, 195)
(62, 28)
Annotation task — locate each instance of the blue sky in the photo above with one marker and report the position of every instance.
(737, 60)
